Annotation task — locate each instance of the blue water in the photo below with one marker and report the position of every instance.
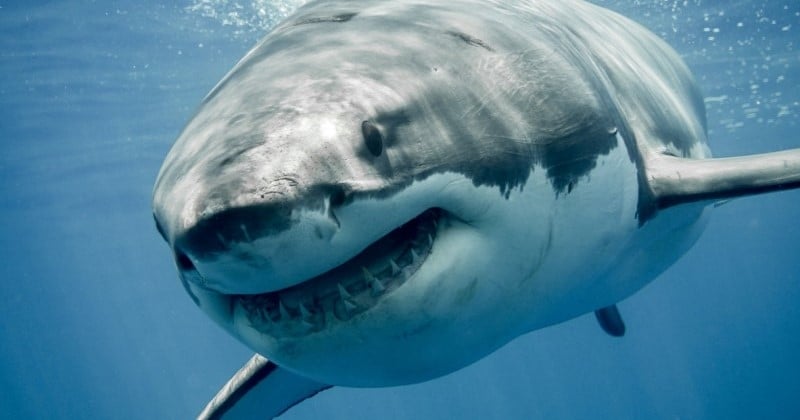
(94, 323)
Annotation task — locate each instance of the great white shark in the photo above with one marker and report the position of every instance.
(383, 192)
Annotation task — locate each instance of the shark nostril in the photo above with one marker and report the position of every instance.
(188, 274)
(183, 262)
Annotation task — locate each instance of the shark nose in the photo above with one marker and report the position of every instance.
(254, 249)
(278, 210)
(222, 231)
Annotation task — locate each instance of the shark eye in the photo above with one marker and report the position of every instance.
(372, 138)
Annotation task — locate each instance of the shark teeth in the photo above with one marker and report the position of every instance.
(377, 288)
(343, 294)
(346, 301)
(304, 312)
(307, 318)
(367, 275)
(351, 307)
(350, 289)
(245, 232)
(282, 309)
(375, 284)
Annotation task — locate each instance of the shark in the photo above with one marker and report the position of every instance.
(383, 192)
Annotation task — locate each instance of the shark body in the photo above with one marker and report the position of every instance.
(383, 192)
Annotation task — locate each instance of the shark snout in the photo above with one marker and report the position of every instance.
(257, 248)
(225, 230)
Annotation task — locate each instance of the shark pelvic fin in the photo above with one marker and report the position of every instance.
(610, 321)
(260, 390)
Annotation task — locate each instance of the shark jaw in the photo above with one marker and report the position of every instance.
(484, 269)
(349, 289)
(391, 298)
(480, 278)
(416, 281)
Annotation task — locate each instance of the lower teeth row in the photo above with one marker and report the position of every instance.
(280, 313)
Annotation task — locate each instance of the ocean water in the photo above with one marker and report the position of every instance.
(95, 324)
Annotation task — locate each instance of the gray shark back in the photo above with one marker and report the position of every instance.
(522, 84)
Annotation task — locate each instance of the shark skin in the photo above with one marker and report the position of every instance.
(377, 180)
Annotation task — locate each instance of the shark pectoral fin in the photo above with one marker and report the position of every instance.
(260, 390)
(610, 321)
(675, 180)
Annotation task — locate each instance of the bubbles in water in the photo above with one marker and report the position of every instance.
(246, 18)
(743, 53)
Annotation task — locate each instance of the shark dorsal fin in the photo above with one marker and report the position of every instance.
(260, 390)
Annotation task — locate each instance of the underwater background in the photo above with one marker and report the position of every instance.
(95, 324)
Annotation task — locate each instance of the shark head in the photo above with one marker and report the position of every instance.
(383, 195)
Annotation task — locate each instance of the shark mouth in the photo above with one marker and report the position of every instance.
(349, 289)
